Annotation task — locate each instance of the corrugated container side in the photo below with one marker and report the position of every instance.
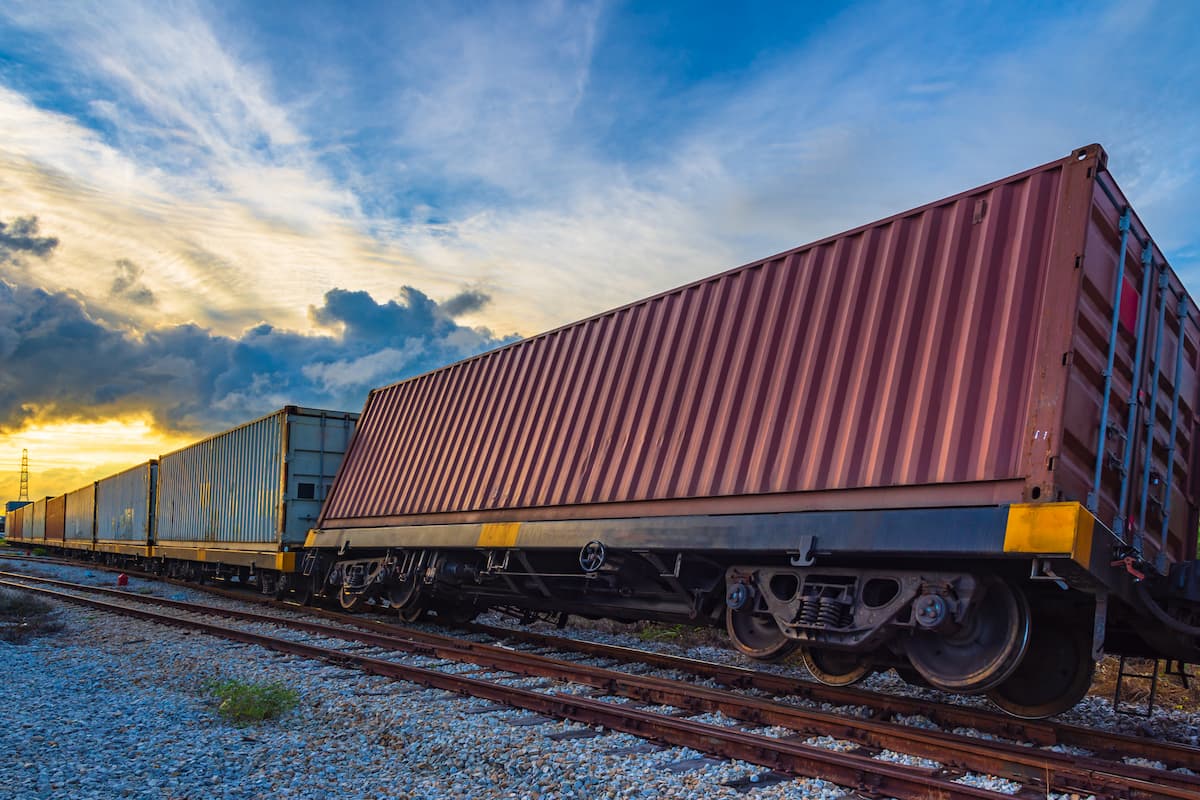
(81, 514)
(259, 483)
(869, 359)
(123, 505)
(37, 521)
(15, 524)
(227, 488)
(56, 518)
(924, 360)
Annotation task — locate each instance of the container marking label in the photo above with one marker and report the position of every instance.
(498, 534)
(1046, 528)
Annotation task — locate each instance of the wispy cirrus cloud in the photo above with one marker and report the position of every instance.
(249, 169)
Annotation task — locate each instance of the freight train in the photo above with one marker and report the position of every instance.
(957, 442)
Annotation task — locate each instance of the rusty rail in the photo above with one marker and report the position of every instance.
(852, 771)
(1034, 768)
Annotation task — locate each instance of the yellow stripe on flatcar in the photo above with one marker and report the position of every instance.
(498, 534)
(1050, 529)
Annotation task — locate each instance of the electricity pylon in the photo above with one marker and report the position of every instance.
(24, 475)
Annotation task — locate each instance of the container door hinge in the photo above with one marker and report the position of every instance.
(1068, 358)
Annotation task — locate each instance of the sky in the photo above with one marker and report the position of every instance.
(209, 210)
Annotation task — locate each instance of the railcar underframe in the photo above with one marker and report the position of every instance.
(1016, 601)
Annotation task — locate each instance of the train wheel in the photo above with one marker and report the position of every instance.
(1054, 675)
(413, 612)
(757, 635)
(406, 598)
(836, 667)
(350, 601)
(984, 651)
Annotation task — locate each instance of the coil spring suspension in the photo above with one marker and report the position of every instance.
(810, 611)
(830, 614)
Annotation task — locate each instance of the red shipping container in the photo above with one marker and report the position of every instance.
(952, 355)
(56, 518)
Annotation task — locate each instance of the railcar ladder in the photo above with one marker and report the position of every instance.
(1124, 675)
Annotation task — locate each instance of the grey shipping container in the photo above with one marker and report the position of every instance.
(257, 487)
(81, 516)
(35, 528)
(124, 508)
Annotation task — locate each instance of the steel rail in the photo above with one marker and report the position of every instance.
(885, 706)
(852, 771)
(1041, 769)
(1040, 732)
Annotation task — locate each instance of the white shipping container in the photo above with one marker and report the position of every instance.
(124, 505)
(36, 522)
(81, 514)
(259, 483)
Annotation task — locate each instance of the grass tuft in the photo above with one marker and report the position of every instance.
(24, 616)
(246, 701)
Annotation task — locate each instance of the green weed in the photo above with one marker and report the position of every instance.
(245, 701)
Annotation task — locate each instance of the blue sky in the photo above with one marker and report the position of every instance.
(206, 169)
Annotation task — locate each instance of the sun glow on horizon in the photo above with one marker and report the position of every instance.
(64, 456)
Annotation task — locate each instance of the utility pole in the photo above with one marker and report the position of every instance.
(24, 475)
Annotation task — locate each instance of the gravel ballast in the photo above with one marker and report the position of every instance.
(113, 707)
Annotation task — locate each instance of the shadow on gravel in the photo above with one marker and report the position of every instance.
(23, 617)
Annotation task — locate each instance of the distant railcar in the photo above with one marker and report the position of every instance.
(125, 511)
(79, 526)
(16, 512)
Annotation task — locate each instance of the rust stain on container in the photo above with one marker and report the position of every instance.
(946, 355)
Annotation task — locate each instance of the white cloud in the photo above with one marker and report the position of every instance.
(213, 181)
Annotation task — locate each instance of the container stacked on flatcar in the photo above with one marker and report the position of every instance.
(16, 512)
(80, 522)
(56, 520)
(35, 522)
(248, 497)
(125, 511)
(945, 441)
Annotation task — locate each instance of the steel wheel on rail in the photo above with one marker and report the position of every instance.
(1055, 674)
(351, 601)
(406, 598)
(757, 635)
(984, 651)
(836, 667)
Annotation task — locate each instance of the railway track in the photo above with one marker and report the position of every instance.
(1038, 771)
(883, 707)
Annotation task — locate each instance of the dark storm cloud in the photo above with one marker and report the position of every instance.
(21, 236)
(465, 303)
(61, 357)
(58, 360)
(127, 285)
